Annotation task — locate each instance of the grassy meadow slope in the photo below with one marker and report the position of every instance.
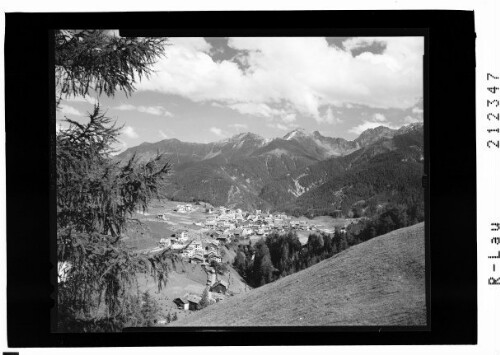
(379, 282)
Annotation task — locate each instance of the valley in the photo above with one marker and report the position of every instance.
(167, 228)
(223, 199)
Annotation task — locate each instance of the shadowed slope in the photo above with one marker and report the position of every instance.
(379, 282)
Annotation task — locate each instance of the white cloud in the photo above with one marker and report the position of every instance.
(125, 107)
(216, 104)
(263, 110)
(239, 126)
(410, 119)
(329, 117)
(218, 132)
(130, 132)
(279, 126)
(250, 108)
(190, 44)
(417, 110)
(69, 110)
(152, 110)
(289, 117)
(88, 99)
(301, 73)
(370, 124)
(59, 127)
(379, 117)
(162, 134)
(119, 147)
(380, 120)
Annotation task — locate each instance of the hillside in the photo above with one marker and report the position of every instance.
(379, 282)
(389, 170)
(185, 278)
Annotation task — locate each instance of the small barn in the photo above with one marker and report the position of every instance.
(182, 303)
(220, 286)
(194, 302)
(224, 238)
(214, 256)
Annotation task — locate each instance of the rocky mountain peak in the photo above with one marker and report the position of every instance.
(372, 135)
(297, 133)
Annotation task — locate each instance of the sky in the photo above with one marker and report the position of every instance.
(208, 89)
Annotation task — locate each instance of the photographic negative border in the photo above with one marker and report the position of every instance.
(450, 194)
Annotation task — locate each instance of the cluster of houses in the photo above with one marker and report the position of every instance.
(183, 208)
(236, 223)
(193, 247)
(224, 225)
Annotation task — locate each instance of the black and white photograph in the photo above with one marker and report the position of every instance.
(239, 181)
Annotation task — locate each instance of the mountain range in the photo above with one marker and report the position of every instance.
(301, 172)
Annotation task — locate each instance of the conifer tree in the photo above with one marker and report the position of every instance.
(96, 195)
(100, 61)
(149, 309)
(205, 300)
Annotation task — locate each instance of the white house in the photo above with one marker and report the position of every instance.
(229, 225)
(183, 237)
(214, 257)
(247, 232)
(182, 303)
(278, 221)
(212, 248)
(180, 208)
(198, 253)
(196, 245)
(177, 246)
(225, 217)
(211, 223)
(165, 242)
(228, 232)
(187, 253)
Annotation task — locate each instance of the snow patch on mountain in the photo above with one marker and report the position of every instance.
(277, 152)
(212, 154)
(299, 189)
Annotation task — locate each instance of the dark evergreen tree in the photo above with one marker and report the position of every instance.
(102, 62)
(150, 309)
(205, 301)
(95, 195)
(262, 265)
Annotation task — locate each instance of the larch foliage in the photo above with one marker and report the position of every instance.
(95, 194)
